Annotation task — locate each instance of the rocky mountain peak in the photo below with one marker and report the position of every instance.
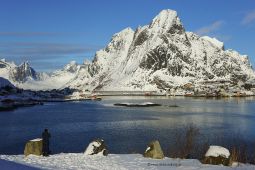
(166, 21)
(71, 67)
(25, 66)
(119, 39)
(23, 73)
(87, 62)
(124, 32)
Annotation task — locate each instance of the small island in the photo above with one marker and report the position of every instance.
(145, 104)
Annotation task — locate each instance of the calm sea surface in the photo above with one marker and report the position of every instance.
(74, 124)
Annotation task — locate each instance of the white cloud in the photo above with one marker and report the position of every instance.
(249, 18)
(210, 28)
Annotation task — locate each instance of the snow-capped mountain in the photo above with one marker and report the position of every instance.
(156, 57)
(20, 74)
(71, 76)
(24, 76)
(58, 79)
(82, 78)
(163, 55)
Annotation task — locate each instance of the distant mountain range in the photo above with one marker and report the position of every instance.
(156, 57)
(24, 76)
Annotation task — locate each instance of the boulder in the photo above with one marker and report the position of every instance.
(97, 147)
(217, 155)
(154, 151)
(33, 147)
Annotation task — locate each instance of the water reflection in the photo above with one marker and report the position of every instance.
(125, 130)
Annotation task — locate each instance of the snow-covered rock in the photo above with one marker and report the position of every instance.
(96, 147)
(216, 151)
(217, 155)
(33, 147)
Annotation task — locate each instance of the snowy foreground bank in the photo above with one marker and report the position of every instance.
(112, 162)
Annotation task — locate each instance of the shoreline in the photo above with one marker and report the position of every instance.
(27, 103)
(178, 96)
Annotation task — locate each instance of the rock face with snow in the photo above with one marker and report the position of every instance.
(26, 77)
(33, 147)
(19, 74)
(97, 147)
(154, 151)
(217, 155)
(23, 73)
(162, 55)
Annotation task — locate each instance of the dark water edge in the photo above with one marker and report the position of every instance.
(127, 130)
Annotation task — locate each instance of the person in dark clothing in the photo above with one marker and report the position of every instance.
(46, 142)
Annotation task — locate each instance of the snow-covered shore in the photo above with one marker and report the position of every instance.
(113, 162)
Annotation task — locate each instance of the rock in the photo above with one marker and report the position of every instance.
(146, 104)
(217, 155)
(97, 147)
(33, 147)
(154, 151)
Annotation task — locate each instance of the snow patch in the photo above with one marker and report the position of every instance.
(36, 140)
(148, 148)
(113, 161)
(214, 42)
(90, 148)
(216, 151)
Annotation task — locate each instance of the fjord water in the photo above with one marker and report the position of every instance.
(126, 130)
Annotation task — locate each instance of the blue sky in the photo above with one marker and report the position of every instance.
(50, 33)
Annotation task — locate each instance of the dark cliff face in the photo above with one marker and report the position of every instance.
(94, 68)
(23, 72)
(176, 28)
(156, 59)
(141, 38)
(4, 82)
(168, 57)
